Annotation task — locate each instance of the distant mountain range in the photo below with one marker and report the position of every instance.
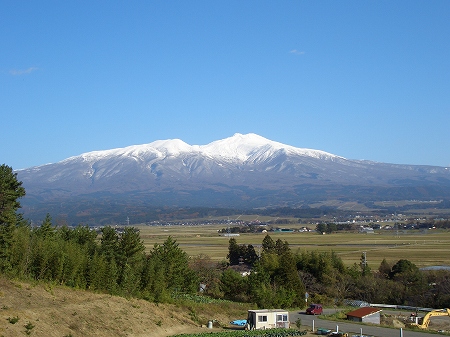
(242, 171)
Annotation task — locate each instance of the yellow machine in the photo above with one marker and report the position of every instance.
(423, 322)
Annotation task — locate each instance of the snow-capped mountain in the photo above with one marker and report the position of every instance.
(240, 171)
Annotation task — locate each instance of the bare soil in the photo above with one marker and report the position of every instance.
(401, 320)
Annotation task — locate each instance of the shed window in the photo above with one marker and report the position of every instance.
(282, 318)
(262, 318)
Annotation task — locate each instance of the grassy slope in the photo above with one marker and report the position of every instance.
(59, 312)
(63, 312)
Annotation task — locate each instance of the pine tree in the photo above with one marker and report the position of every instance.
(268, 245)
(174, 262)
(109, 245)
(234, 252)
(281, 247)
(46, 230)
(250, 256)
(288, 278)
(130, 257)
(233, 285)
(10, 191)
(384, 269)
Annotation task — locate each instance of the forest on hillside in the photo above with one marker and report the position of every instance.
(115, 262)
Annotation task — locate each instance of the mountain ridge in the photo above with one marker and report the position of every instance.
(240, 171)
(239, 146)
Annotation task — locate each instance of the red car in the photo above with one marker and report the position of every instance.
(314, 309)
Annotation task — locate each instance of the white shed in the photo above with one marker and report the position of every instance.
(267, 319)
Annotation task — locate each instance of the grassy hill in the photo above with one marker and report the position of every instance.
(53, 311)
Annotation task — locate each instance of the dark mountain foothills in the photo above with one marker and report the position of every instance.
(243, 172)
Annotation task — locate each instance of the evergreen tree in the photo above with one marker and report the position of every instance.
(407, 274)
(233, 285)
(130, 258)
(109, 245)
(384, 269)
(268, 245)
(46, 230)
(85, 236)
(331, 227)
(76, 266)
(234, 252)
(281, 247)
(250, 256)
(6, 245)
(321, 228)
(288, 278)
(259, 286)
(171, 264)
(403, 266)
(11, 191)
(97, 272)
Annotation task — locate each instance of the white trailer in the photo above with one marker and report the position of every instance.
(267, 319)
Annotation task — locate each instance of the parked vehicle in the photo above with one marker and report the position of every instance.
(314, 309)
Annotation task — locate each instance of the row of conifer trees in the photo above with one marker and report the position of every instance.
(113, 262)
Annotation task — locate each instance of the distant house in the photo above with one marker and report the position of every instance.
(365, 315)
(366, 230)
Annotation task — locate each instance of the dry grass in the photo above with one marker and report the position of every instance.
(62, 312)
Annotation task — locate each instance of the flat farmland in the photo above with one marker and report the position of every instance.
(427, 248)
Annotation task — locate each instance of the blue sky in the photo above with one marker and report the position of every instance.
(360, 79)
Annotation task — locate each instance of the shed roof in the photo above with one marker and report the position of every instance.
(363, 312)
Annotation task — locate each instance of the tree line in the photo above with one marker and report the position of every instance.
(281, 277)
(116, 263)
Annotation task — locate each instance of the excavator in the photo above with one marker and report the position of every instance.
(423, 322)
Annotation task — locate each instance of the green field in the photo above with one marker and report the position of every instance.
(427, 248)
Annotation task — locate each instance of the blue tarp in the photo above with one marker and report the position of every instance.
(240, 322)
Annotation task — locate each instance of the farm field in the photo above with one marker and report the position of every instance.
(423, 248)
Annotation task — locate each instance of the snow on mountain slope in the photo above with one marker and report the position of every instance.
(159, 149)
(244, 147)
(249, 147)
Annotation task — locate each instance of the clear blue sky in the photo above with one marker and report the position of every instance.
(360, 79)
